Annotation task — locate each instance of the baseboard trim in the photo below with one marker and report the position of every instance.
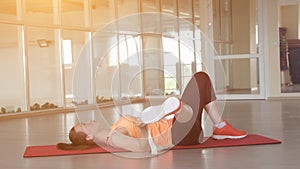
(26, 114)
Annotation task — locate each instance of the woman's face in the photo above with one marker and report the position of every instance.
(89, 128)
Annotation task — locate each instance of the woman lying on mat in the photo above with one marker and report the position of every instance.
(175, 122)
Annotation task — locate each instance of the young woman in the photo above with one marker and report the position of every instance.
(131, 134)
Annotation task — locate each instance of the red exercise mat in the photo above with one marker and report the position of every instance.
(51, 150)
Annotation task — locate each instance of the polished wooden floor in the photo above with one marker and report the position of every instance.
(275, 119)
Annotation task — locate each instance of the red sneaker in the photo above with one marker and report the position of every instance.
(228, 132)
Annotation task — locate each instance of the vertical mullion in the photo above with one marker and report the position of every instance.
(57, 36)
(179, 49)
(24, 52)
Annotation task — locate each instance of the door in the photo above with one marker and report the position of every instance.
(237, 65)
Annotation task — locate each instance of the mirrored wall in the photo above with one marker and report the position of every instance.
(289, 45)
(42, 44)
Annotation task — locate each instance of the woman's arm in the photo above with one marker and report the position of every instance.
(120, 139)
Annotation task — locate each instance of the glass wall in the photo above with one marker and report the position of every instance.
(126, 8)
(40, 12)
(151, 5)
(12, 69)
(10, 10)
(185, 10)
(72, 43)
(171, 65)
(236, 40)
(75, 13)
(102, 12)
(169, 7)
(43, 43)
(44, 68)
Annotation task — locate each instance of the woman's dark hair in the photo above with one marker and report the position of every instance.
(78, 141)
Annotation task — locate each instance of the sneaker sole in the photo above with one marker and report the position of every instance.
(222, 137)
(154, 113)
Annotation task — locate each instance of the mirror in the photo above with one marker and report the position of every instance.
(289, 36)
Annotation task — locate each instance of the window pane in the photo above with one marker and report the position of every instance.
(201, 42)
(170, 70)
(130, 66)
(187, 51)
(241, 76)
(105, 74)
(185, 10)
(74, 13)
(187, 70)
(198, 7)
(171, 65)
(235, 27)
(169, 7)
(67, 52)
(75, 41)
(10, 10)
(153, 64)
(150, 5)
(105, 62)
(103, 12)
(126, 8)
(12, 87)
(170, 85)
(44, 69)
(118, 66)
(39, 12)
